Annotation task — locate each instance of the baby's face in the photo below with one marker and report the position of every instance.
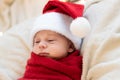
(51, 44)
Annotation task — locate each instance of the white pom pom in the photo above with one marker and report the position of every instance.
(80, 27)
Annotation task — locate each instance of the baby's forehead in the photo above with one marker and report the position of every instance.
(48, 33)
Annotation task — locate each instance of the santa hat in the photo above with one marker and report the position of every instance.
(64, 18)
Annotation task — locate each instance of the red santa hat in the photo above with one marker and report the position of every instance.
(64, 18)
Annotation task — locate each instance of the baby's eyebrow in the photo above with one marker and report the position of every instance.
(36, 39)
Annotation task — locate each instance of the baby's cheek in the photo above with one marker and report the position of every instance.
(35, 50)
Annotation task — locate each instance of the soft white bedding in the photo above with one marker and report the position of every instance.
(13, 12)
(101, 48)
(14, 51)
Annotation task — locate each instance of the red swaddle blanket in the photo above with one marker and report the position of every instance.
(44, 68)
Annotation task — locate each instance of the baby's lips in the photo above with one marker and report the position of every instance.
(43, 54)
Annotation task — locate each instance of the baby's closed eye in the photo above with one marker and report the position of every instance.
(37, 42)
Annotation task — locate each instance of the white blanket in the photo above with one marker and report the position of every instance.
(14, 51)
(101, 49)
(13, 12)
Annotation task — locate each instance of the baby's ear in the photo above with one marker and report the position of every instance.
(71, 48)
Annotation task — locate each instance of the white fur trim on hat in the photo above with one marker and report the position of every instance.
(56, 22)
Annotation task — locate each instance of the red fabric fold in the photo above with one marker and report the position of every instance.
(44, 68)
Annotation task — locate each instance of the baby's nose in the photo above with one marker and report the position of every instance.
(42, 45)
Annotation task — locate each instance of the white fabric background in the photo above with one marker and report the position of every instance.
(13, 12)
(101, 49)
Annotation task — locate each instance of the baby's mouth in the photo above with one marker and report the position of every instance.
(43, 54)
